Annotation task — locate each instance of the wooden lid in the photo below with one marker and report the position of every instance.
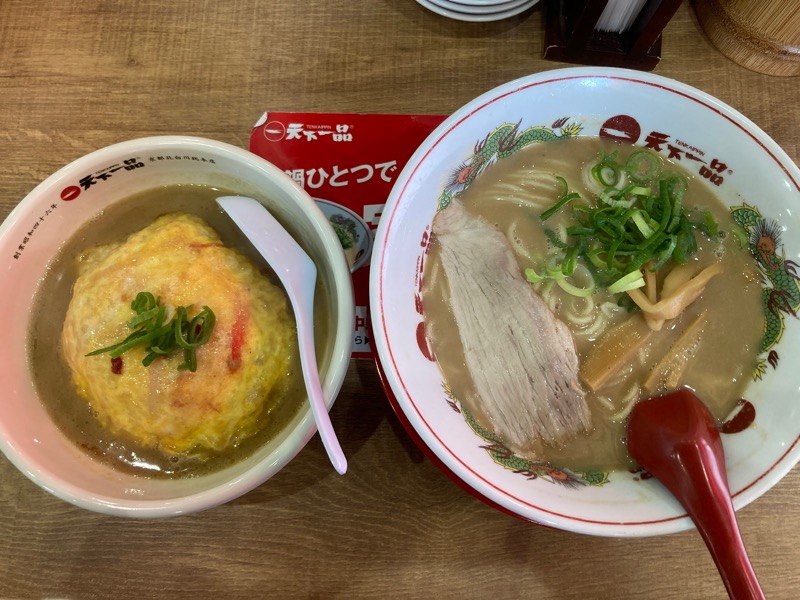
(761, 36)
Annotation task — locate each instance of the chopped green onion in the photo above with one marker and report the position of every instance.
(594, 257)
(574, 290)
(554, 273)
(741, 235)
(643, 166)
(605, 175)
(563, 185)
(144, 301)
(579, 231)
(664, 255)
(676, 183)
(570, 261)
(613, 197)
(687, 244)
(641, 222)
(631, 281)
(641, 225)
(532, 276)
(612, 253)
(607, 172)
(677, 206)
(162, 339)
(552, 236)
(564, 199)
(709, 225)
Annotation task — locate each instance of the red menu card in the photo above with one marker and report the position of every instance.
(348, 163)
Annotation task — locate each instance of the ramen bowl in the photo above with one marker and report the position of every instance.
(87, 191)
(717, 145)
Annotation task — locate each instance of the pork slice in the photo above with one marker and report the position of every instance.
(521, 357)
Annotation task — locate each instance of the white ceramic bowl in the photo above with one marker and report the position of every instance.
(739, 161)
(49, 215)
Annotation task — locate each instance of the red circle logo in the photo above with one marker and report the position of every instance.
(622, 128)
(70, 193)
(274, 131)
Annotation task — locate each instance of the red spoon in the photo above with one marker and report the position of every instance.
(676, 439)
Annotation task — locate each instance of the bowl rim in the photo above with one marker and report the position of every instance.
(469, 478)
(305, 428)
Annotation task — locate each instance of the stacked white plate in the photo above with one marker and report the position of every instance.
(477, 10)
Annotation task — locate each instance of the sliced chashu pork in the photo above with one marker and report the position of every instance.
(521, 357)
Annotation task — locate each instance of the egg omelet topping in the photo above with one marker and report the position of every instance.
(157, 400)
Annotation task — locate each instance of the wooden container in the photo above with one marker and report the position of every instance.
(761, 35)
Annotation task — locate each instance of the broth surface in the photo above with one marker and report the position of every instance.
(511, 195)
(53, 378)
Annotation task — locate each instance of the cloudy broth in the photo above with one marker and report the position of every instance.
(53, 378)
(511, 195)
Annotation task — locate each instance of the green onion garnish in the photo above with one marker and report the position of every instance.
(164, 339)
(564, 199)
(631, 281)
(532, 276)
(553, 238)
(643, 166)
(632, 227)
(740, 235)
(574, 290)
(607, 172)
(641, 221)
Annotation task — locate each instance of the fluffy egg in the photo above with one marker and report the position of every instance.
(183, 262)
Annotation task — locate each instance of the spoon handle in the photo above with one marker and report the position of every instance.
(298, 274)
(676, 439)
(708, 501)
(304, 300)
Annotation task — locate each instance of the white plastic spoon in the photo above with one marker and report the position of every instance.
(298, 274)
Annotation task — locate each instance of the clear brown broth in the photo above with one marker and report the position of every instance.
(724, 361)
(52, 376)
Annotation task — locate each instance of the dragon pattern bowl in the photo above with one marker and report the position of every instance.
(748, 172)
